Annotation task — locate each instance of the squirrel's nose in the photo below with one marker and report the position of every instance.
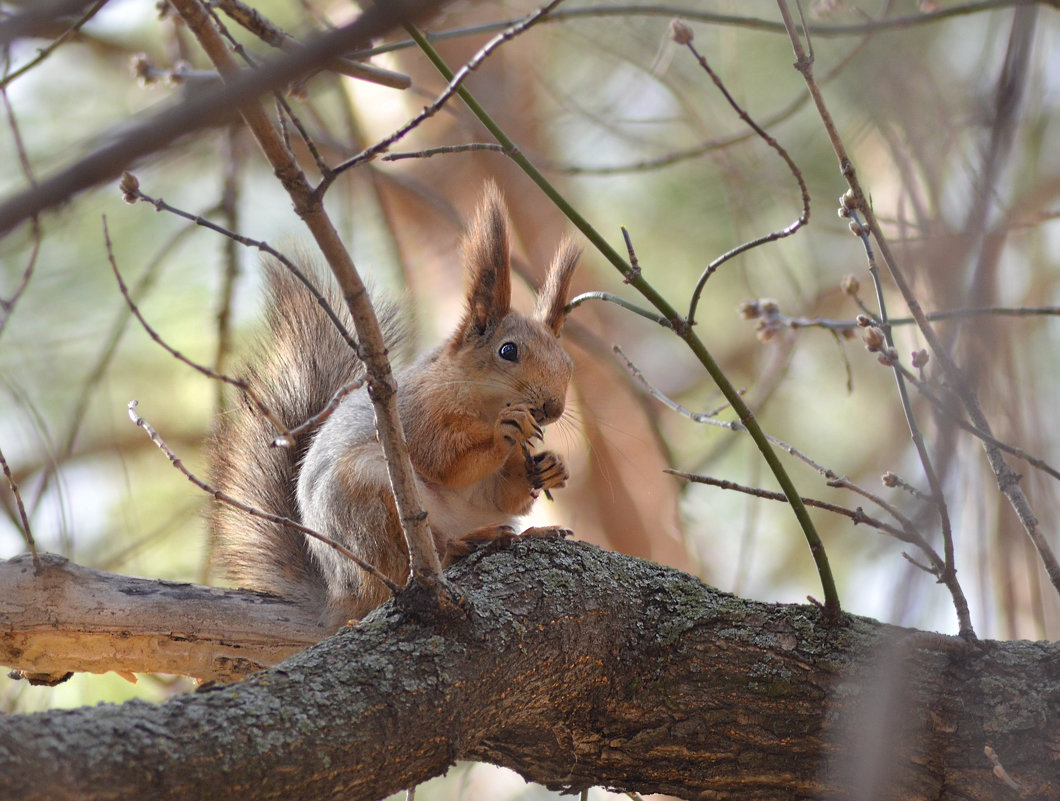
(553, 408)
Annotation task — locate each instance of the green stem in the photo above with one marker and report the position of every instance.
(680, 326)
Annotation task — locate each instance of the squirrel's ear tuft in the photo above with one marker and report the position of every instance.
(486, 251)
(552, 301)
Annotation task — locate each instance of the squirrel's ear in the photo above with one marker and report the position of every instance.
(553, 298)
(486, 251)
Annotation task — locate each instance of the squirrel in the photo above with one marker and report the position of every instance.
(472, 408)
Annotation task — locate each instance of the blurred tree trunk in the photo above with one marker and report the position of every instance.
(579, 667)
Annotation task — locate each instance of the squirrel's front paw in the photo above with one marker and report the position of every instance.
(546, 470)
(518, 423)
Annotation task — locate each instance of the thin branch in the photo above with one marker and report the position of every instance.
(284, 109)
(310, 423)
(797, 322)
(871, 26)
(238, 383)
(7, 305)
(250, 510)
(682, 34)
(625, 304)
(770, 320)
(471, 147)
(454, 82)
(890, 358)
(891, 479)
(27, 532)
(857, 515)
(131, 189)
(44, 52)
(944, 411)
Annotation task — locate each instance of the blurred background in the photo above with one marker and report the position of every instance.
(951, 119)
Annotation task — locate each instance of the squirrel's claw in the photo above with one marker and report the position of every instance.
(519, 424)
(487, 535)
(546, 471)
(547, 532)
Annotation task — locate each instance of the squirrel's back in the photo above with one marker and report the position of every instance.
(299, 363)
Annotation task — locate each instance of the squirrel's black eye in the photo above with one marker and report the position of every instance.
(509, 351)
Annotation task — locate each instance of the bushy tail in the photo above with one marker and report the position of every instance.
(298, 365)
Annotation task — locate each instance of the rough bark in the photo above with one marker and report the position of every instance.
(578, 667)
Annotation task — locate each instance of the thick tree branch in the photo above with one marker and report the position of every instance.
(579, 667)
(209, 107)
(69, 618)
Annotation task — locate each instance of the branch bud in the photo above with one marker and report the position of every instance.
(130, 188)
(874, 339)
(750, 310)
(681, 32)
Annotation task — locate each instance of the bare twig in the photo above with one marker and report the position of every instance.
(770, 320)
(44, 52)
(857, 515)
(284, 110)
(310, 423)
(945, 412)
(682, 34)
(710, 418)
(131, 189)
(869, 26)
(451, 88)
(27, 532)
(889, 358)
(909, 531)
(471, 147)
(7, 305)
(797, 322)
(228, 499)
(206, 371)
(625, 304)
(891, 479)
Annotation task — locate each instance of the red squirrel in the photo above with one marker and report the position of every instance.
(473, 410)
